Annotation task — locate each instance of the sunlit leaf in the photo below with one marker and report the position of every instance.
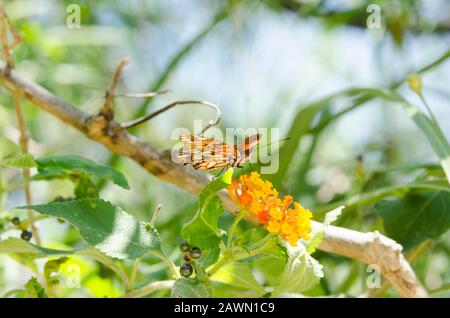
(106, 227)
(191, 288)
(317, 237)
(64, 166)
(202, 231)
(301, 272)
(416, 217)
(33, 289)
(238, 274)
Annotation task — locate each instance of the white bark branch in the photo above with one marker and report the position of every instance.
(370, 248)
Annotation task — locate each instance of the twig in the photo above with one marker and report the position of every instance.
(108, 107)
(6, 24)
(139, 121)
(23, 142)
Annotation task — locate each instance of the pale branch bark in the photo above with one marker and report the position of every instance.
(370, 248)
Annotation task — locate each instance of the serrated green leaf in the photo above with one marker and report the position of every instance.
(301, 272)
(202, 231)
(101, 257)
(17, 246)
(317, 237)
(20, 160)
(33, 289)
(238, 274)
(64, 166)
(106, 227)
(416, 217)
(191, 288)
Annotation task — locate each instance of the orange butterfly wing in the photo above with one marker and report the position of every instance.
(204, 153)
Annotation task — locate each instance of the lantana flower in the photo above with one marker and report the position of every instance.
(290, 220)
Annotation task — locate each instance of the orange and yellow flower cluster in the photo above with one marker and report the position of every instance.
(259, 197)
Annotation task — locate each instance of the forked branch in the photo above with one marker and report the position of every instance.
(370, 248)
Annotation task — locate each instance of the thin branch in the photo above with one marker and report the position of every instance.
(23, 142)
(370, 248)
(5, 26)
(108, 107)
(139, 121)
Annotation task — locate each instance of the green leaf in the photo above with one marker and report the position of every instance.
(106, 227)
(8, 148)
(434, 134)
(431, 130)
(317, 237)
(64, 166)
(17, 246)
(19, 161)
(101, 257)
(301, 272)
(238, 274)
(300, 126)
(202, 231)
(33, 289)
(416, 217)
(85, 188)
(192, 288)
(14, 245)
(51, 267)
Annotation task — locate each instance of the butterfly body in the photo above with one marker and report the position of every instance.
(209, 154)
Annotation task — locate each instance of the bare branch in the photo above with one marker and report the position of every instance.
(370, 248)
(139, 121)
(108, 109)
(5, 26)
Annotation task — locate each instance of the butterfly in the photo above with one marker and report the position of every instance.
(209, 154)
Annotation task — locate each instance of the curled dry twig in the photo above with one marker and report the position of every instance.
(139, 121)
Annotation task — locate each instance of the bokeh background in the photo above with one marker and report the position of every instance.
(262, 62)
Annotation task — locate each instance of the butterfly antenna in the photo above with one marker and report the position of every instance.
(274, 142)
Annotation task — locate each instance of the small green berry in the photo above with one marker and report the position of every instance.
(196, 253)
(186, 270)
(15, 220)
(184, 246)
(26, 235)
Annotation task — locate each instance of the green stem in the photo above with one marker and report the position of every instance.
(164, 284)
(226, 258)
(173, 269)
(236, 221)
(133, 275)
(430, 112)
